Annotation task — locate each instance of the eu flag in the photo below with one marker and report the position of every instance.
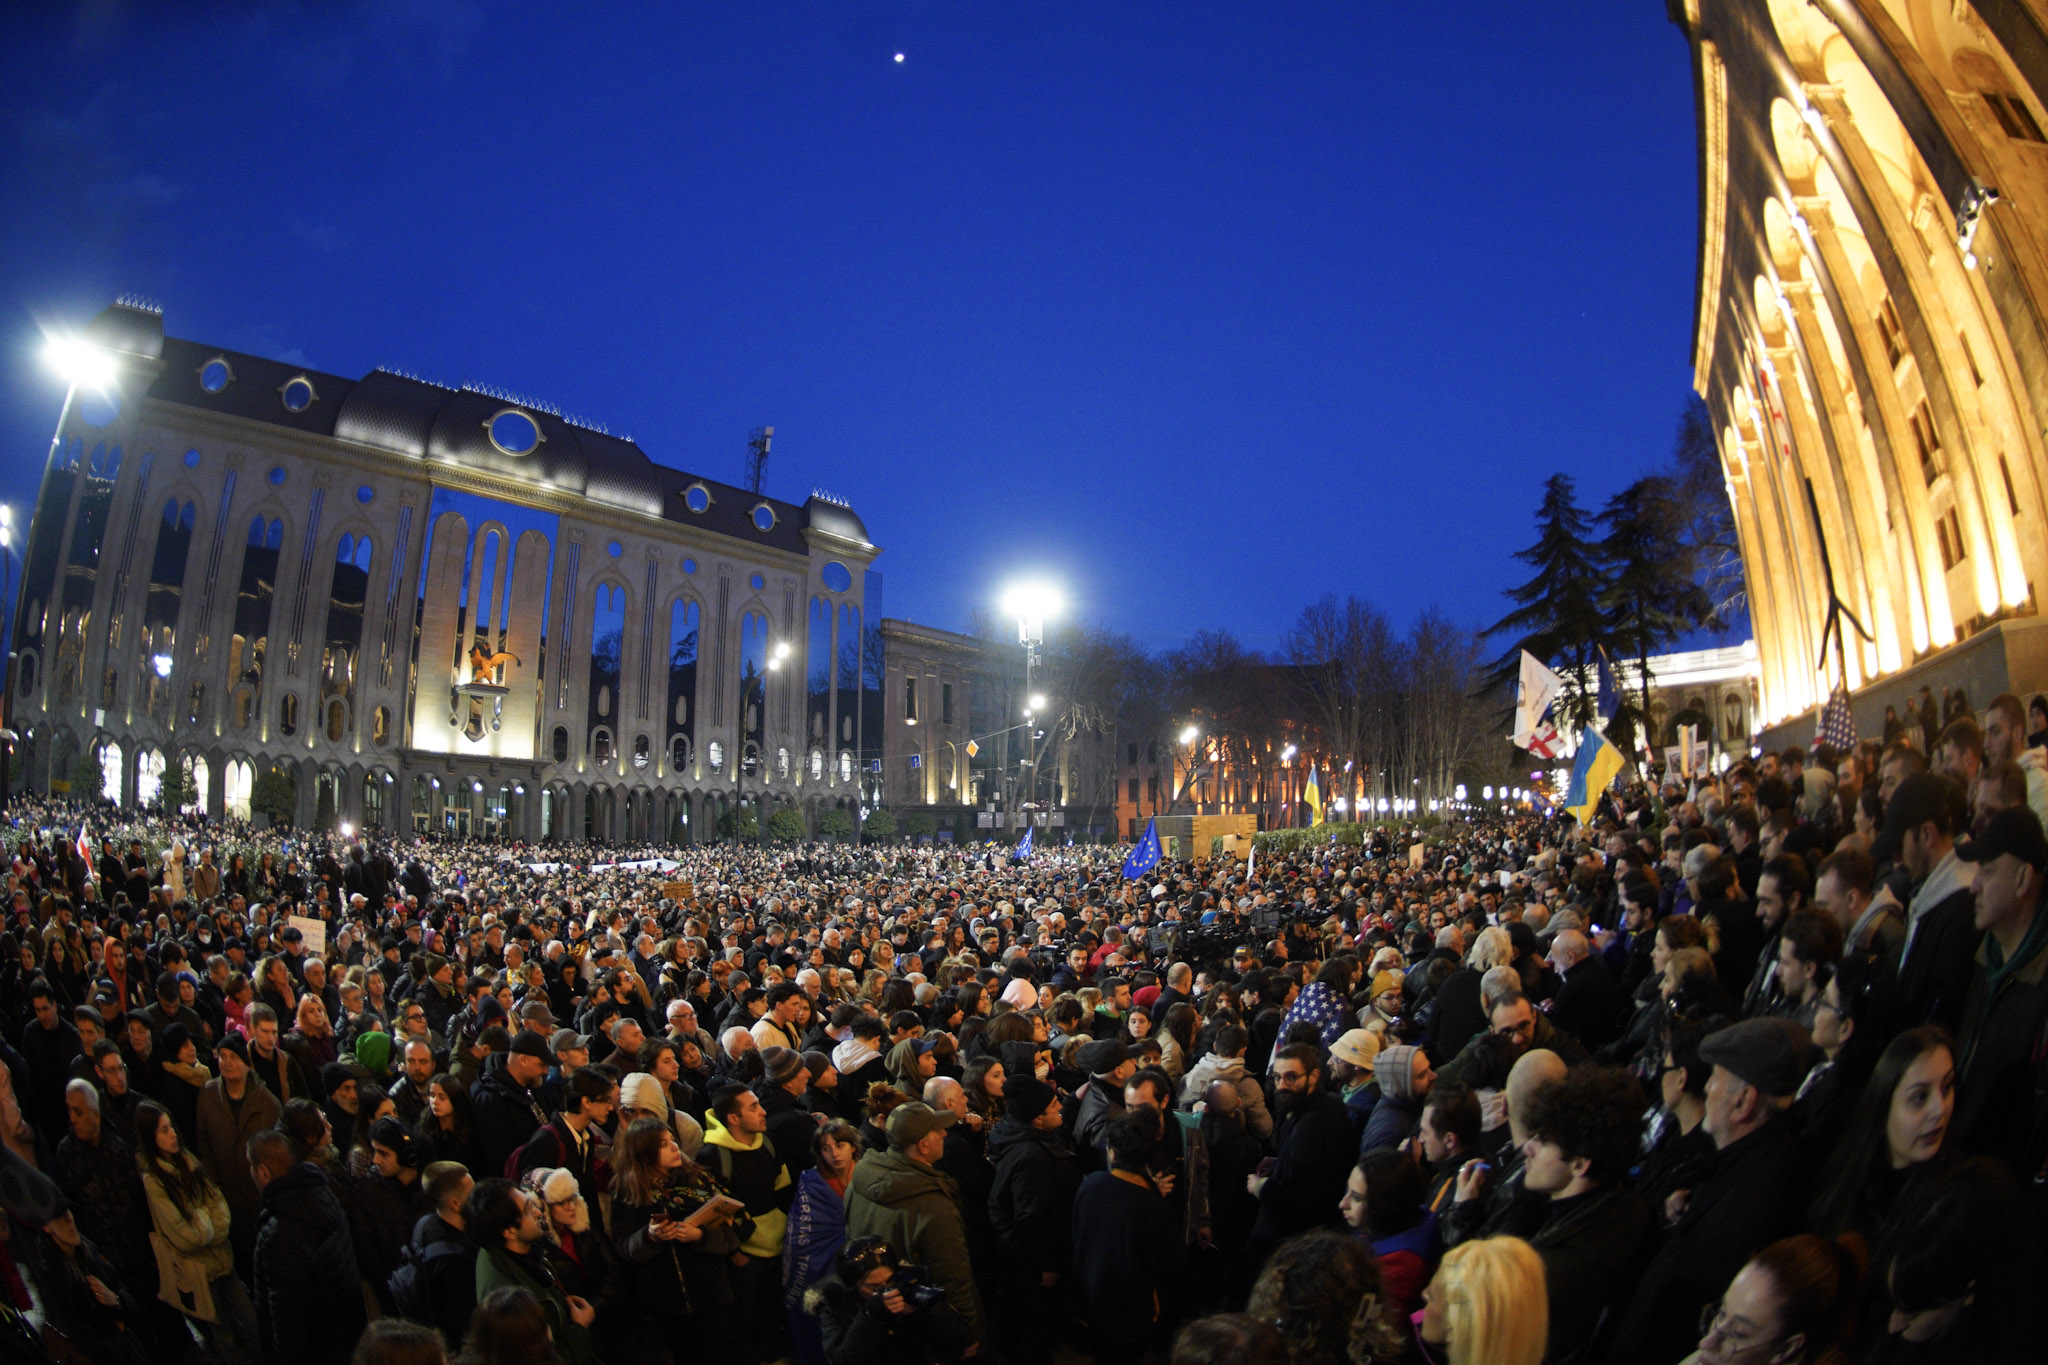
(1608, 699)
(1145, 856)
(1024, 844)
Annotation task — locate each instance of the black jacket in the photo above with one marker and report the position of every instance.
(791, 1126)
(1934, 977)
(505, 1116)
(1753, 1195)
(1314, 1155)
(1589, 1006)
(1590, 1247)
(382, 1216)
(1031, 1204)
(450, 1276)
(309, 1309)
(861, 1331)
(1456, 1013)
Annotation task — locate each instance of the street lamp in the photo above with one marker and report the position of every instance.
(80, 364)
(1032, 601)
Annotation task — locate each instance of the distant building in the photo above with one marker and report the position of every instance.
(1873, 316)
(426, 608)
(956, 746)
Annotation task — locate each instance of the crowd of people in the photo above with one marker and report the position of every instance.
(1750, 1067)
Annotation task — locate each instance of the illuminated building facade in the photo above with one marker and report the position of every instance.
(424, 607)
(1873, 317)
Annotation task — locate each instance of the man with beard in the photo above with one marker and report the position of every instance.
(1313, 1154)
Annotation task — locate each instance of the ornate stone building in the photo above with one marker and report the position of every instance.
(425, 607)
(1873, 317)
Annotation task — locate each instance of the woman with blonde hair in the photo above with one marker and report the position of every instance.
(1487, 1305)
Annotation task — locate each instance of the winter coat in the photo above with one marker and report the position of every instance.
(791, 1126)
(1589, 1005)
(497, 1268)
(222, 1146)
(382, 1215)
(1590, 1247)
(197, 1241)
(1126, 1248)
(1752, 1196)
(451, 1279)
(671, 1280)
(1031, 1204)
(1313, 1160)
(504, 1116)
(1102, 1103)
(861, 1331)
(309, 1309)
(917, 1211)
(755, 1173)
(1252, 1098)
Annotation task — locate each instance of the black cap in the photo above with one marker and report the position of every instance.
(531, 1045)
(1772, 1054)
(1104, 1055)
(1024, 1100)
(2015, 830)
(1920, 799)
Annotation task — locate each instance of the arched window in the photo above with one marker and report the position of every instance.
(337, 719)
(288, 715)
(559, 747)
(241, 781)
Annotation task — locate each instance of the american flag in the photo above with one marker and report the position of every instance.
(1837, 724)
(1318, 1004)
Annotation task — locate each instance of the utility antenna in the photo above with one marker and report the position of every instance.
(757, 458)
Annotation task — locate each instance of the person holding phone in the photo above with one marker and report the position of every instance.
(679, 1235)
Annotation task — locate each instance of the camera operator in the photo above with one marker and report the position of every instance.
(878, 1311)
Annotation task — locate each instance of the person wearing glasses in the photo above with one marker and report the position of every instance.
(1793, 1303)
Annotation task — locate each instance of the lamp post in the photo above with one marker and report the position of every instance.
(777, 655)
(1287, 761)
(78, 363)
(1031, 602)
(1188, 738)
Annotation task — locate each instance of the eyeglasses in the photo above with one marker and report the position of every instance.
(1714, 1321)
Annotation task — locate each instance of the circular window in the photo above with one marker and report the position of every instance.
(191, 459)
(298, 394)
(277, 475)
(837, 577)
(365, 493)
(614, 549)
(97, 408)
(215, 375)
(697, 498)
(689, 566)
(757, 582)
(764, 517)
(514, 433)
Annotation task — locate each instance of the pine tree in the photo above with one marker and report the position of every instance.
(1651, 600)
(1557, 612)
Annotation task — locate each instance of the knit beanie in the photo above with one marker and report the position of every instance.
(1395, 1069)
(373, 1050)
(1024, 1100)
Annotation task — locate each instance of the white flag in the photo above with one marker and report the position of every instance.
(1539, 687)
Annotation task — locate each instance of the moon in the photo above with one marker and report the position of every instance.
(899, 57)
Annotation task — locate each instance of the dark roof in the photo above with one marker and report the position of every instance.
(415, 419)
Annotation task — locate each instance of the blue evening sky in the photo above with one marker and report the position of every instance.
(1203, 309)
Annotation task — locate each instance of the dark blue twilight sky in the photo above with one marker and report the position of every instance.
(1203, 309)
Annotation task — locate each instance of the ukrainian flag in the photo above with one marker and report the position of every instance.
(1597, 763)
(1313, 795)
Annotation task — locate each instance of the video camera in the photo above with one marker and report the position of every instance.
(914, 1284)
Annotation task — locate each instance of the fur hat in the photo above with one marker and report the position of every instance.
(555, 1185)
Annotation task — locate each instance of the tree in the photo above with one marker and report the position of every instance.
(273, 794)
(175, 792)
(1345, 665)
(739, 823)
(785, 826)
(919, 825)
(86, 776)
(836, 823)
(1652, 600)
(880, 824)
(1557, 612)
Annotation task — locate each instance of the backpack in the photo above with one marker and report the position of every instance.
(516, 1164)
(412, 1282)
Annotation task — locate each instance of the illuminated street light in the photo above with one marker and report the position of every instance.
(79, 363)
(1038, 701)
(1287, 754)
(1032, 602)
(1190, 735)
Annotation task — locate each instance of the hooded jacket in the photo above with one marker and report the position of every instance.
(751, 1168)
(1251, 1097)
(917, 1211)
(1031, 1204)
(309, 1307)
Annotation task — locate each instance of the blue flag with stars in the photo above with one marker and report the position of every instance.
(1145, 856)
(1024, 844)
